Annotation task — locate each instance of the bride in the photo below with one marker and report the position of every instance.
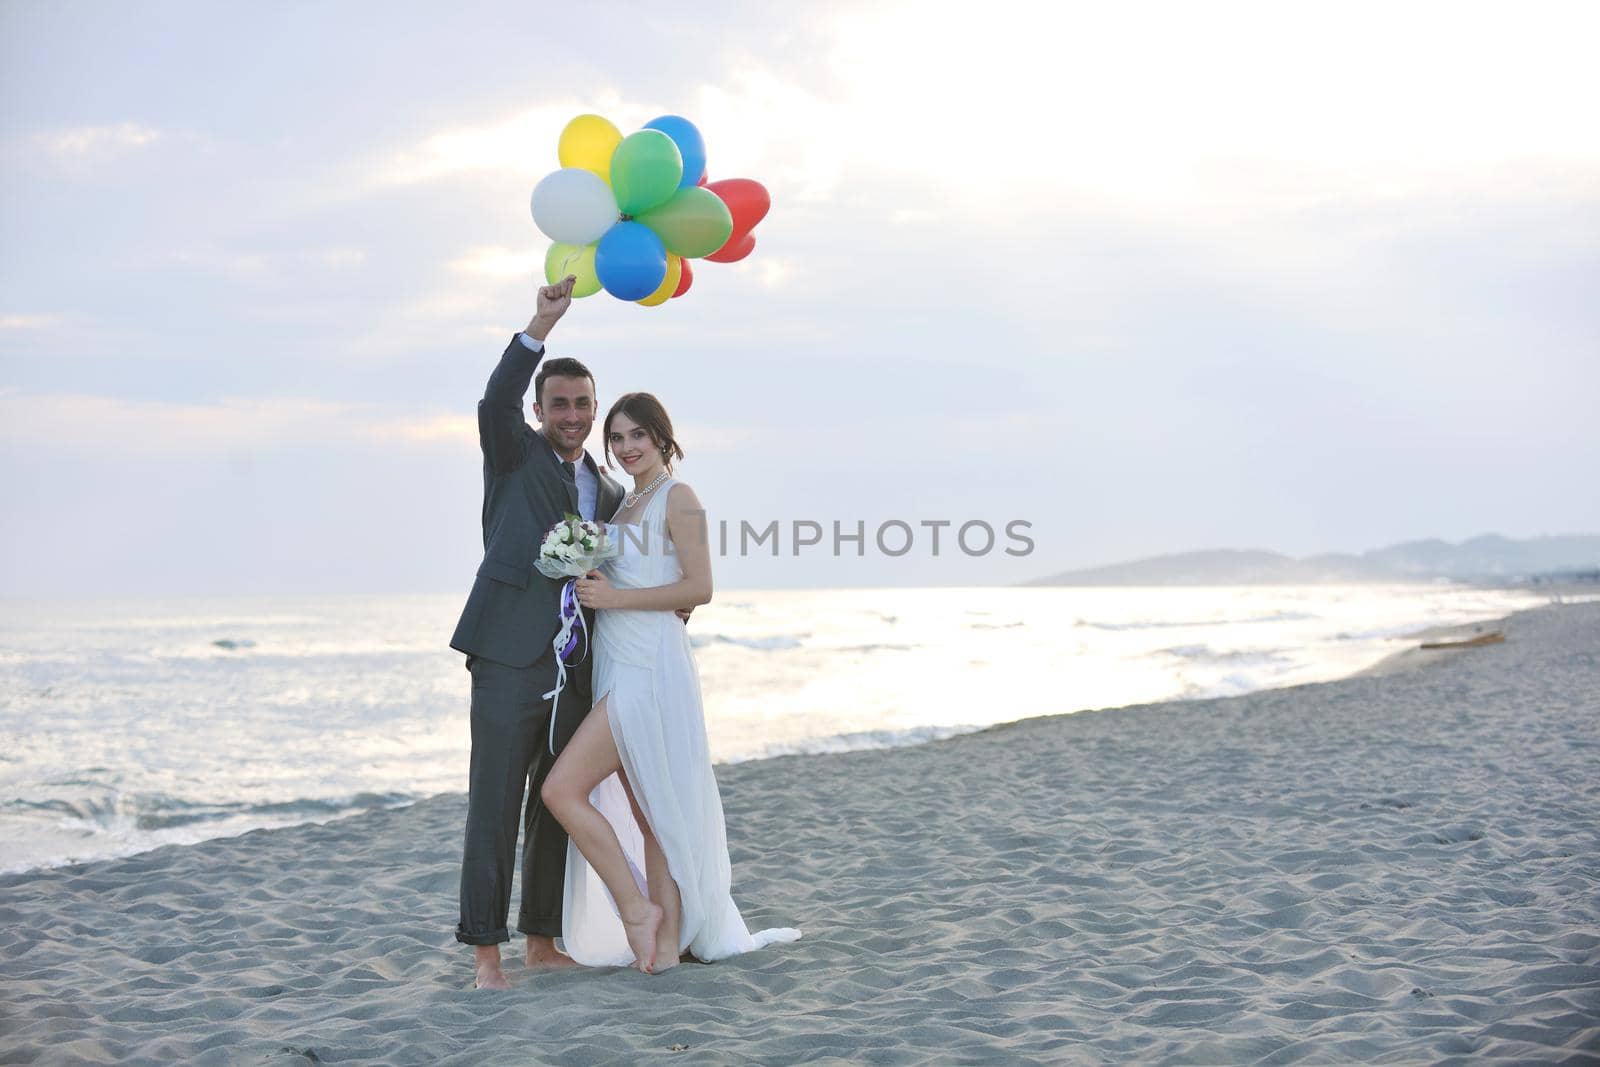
(648, 875)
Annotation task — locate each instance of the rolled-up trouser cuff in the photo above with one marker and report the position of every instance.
(544, 926)
(493, 937)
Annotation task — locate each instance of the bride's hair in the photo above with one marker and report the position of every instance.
(645, 410)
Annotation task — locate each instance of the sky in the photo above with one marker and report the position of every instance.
(1146, 278)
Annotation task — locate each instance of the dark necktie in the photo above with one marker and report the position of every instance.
(572, 476)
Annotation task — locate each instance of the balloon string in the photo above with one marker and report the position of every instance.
(569, 259)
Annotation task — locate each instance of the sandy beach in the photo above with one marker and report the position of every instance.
(1402, 867)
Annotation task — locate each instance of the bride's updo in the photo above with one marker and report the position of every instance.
(645, 410)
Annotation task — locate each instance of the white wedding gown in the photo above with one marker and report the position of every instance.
(643, 663)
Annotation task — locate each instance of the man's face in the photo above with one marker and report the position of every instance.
(566, 414)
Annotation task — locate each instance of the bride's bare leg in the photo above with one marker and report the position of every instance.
(587, 760)
(663, 888)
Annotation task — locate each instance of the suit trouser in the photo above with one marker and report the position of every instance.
(511, 754)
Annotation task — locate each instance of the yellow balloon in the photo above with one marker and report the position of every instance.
(669, 284)
(588, 142)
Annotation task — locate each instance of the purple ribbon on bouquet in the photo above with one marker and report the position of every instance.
(573, 628)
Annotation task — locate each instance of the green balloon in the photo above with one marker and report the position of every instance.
(693, 223)
(576, 260)
(645, 169)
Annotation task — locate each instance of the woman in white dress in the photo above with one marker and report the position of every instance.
(648, 875)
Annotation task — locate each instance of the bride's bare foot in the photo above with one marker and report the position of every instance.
(542, 953)
(667, 955)
(642, 936)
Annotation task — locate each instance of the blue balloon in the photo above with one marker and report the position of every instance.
(691, 146)
(631, 261)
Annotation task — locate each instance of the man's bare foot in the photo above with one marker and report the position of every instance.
(490, 976)
(642, 935)
(541, 952)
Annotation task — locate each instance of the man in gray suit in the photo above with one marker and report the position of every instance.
(530, 479)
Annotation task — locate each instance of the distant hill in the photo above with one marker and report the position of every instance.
(1490, 557)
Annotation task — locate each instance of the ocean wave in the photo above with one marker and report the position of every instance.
(1207, 654)
(777, 642)
(1166, 624)
(62, 831)
(859, 740)
(787, 642)
(114, 810)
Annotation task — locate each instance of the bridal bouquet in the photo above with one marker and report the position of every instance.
(572, 548)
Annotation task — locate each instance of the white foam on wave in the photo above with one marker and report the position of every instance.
(763, 644)
(109, 826)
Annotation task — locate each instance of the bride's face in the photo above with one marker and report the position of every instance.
(632, 446)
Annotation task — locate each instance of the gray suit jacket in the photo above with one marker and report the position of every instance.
(511, 614)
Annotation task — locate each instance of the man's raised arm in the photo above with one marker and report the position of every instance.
(502, 431)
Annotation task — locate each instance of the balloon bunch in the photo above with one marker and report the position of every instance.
(627, 214)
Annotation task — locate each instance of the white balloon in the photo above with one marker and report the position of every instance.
(574, 205)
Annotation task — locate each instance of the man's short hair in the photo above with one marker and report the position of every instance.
(564, 367)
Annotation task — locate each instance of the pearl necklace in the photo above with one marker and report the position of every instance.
(633, 498)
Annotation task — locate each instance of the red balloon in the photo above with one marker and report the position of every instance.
(704, 175)
(738, 246)
(747, 200)
(685, 281)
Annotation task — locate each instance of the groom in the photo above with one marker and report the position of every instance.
(530, 479)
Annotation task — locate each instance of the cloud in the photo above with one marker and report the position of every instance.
(761, 124)
(1157, 110)
(99, 141)
(492, 261)
(340, 258)
(135, 428)
(151, 427)
(459, 428)
(720, 436)
(452, 306)
(239, 265)
(772, 271)
(29, 322)
(757, 123)
(519, 143)
(1200, 107)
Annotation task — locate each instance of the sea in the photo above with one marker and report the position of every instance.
(126, 726)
